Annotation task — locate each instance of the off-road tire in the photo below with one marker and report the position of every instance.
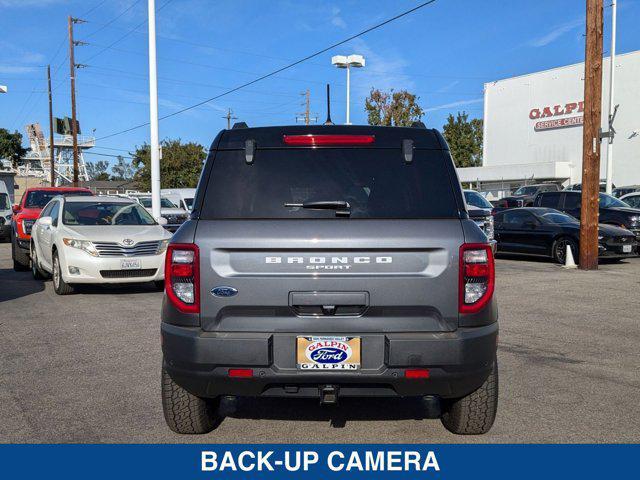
(59, 285)
(20, 260)
(475, 413)
(37, 272)
(185, 413)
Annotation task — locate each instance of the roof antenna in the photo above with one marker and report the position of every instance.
(328, 121)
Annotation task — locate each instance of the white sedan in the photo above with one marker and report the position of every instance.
(79, 240)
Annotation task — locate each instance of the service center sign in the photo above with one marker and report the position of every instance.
(566, 112)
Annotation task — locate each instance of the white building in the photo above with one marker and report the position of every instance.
(533, 128)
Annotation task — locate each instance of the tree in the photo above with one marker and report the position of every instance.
(11, 146)
(399, 109)
(179, 168)
(98, 170)
(465, 139)
(123, 170)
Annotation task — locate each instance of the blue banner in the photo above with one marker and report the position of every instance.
(319, 461)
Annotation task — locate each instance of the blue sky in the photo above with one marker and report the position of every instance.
(444, 52)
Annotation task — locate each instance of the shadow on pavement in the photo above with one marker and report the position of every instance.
(348, 409)
(15, 285)
(116, 289)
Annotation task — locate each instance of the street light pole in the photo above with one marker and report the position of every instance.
(153, 113)
(612, 69)
(342, 61)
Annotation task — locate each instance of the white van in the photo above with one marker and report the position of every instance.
(5, 213)
(183, 197)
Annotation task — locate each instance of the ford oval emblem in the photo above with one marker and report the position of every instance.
(224, 291)
(328, 355)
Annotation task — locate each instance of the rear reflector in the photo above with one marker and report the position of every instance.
(328, 140)
(416, 373)
(241, 372)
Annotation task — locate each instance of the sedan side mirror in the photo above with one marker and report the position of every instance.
(162, 221)
(15, 208)
(45, 221)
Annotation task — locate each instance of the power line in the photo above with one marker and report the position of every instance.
(105, 25)
(128, 33)
(275, 72)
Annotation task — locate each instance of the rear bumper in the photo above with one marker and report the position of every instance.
(458, 363)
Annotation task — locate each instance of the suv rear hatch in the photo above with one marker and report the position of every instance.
(387, 263)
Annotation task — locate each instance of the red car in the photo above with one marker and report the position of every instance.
(26, 213)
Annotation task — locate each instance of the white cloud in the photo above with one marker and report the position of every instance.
(557, 32)
(384, 70)
(459, 103)
(27, 3)
(336, 19)
(9, 69)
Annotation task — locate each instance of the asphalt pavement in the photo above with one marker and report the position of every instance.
(86, 368)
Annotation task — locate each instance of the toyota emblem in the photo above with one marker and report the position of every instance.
(127, 241)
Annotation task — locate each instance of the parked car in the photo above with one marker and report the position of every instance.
(524, 196)
(5, 214)
(24, 216)
(632, 199)
(174, 215)
(612, 211)
(182, 197)
(98, 240)
(548, 232)
(330, 261)
(577, 187)
(622, 191)
(480, 211)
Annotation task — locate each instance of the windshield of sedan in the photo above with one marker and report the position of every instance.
(105, 213)
(607, 201)
(526, 191)
(164, 202)
(559, 218)
(477, 200)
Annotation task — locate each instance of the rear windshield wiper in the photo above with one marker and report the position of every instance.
(342, 208)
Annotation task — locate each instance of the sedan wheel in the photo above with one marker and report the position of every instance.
(35, 267)
(560, 249)
(59, 285)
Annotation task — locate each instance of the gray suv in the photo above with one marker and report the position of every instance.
(327, 262)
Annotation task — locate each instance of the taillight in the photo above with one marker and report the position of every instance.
(477, 277)
(182, 277)
(328, 140)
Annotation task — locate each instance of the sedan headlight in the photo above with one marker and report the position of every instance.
(634, 218)
(85, 245)
(162, 246)
(8, 217)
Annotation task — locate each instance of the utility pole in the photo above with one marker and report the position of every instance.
(74, 121)
(612, 70)
(306, 115)
(51, 147)
(591, 137)
(153, 113)
(229, 116)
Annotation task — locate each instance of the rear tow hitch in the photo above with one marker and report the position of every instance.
(328, 395)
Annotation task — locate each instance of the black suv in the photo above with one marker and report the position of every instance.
(327, 262)
(612, 211)
(524, 196)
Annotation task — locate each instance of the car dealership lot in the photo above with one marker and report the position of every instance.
(86, 368)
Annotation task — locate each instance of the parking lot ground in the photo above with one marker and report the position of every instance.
(85, 368)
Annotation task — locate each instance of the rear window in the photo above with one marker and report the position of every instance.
(551, 200)
(375, 182)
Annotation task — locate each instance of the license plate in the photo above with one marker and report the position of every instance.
(328, 353)
(130, 264)
(626, 249)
